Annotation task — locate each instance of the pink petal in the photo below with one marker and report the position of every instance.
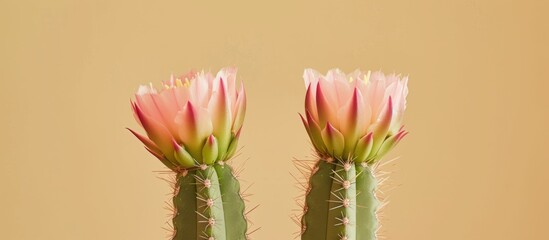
(164, 160)
(147, 106)
(324, 108)
(157, 155)
(335, 74)
(310, 77)
(306, 127)
(382, 127)
(364, 147)
(329, 92)
(194, 126)
(376, 93)
(166, 104)
(310, 99)
(240, 110)
(351, 119)
(198, 90)
(181, 96)
(316, 133)
(342, 87)
(401, 135)
(134, 106)
(334, 140)
(220, 109)
(157, 133)
(147, 142)
(229, 75)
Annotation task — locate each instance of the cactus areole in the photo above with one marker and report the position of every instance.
(192, 126)
(352, 120)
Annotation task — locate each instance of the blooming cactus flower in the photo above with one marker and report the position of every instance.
(355, 116)
(194, 119)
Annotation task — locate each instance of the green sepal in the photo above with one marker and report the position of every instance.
(231, 150)
(183, 157)
(210, 150)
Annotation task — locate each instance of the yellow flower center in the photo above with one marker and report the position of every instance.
(367, 78)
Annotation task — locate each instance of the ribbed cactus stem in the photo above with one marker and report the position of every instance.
(368, 203)
(208, 205)
(341, 203)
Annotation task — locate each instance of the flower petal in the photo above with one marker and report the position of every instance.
(310, 77)
(163, 159)
(220, 109)
(194, 127)
(334, 140)
(389, 144)
(229, 75)
(240, 110)
(134, 105)
(342, 87)
(324, 108)
(382, 127)
(351, 119)
(166, 104)
(364, 147)
(376, 93)
(310, 100)
(147, 106)
(147, 142)
(157, 133)
(199, 89)
(210, 150)
(182, 156)
(316, 133)
(313, 141)
(231, 150)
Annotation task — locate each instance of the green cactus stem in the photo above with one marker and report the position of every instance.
(341, 203)
(208, 205)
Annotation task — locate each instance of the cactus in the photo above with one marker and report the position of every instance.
(353, 121)
(208, 205)
(342, 186)
(193, 125)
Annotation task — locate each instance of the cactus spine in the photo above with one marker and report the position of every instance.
(208, 204)
(340, 203)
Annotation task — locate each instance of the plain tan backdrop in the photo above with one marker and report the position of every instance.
(475, 165)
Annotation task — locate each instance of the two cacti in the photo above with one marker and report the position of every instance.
(193, 125)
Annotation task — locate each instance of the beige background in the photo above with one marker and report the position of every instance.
(475, 165)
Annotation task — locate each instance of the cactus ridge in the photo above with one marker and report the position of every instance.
(208, 205)
(340, 203)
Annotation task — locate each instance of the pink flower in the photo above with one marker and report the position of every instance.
(193, 119)
(354, 116)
